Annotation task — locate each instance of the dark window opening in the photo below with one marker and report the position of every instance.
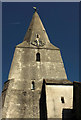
(33, 86)
(37, 35)
(62, 99)
(38, 57)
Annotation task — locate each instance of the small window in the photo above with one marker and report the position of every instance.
(38, 57)
(62, 100)
(37, 35)
(33, 86)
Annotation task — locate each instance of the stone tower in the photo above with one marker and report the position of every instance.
(35, 60)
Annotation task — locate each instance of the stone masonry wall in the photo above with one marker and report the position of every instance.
(20, 100)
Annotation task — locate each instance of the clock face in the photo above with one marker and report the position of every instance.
(37, 42)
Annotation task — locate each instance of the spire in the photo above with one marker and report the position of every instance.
(35, 8)
(36, 35)
(36, 29)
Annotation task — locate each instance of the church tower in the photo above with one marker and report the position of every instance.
(36, 62)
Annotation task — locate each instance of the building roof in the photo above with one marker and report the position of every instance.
(76, 82)
(36, 33)
(58, 82)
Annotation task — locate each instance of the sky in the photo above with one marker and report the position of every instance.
(61, 21)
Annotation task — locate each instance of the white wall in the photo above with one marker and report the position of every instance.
(53, 99)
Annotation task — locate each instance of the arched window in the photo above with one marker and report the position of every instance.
(38, 57)
(33, 86)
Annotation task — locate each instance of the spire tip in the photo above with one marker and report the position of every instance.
(35, 8)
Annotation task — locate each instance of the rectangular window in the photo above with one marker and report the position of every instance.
(33, 85)
(62, 100)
